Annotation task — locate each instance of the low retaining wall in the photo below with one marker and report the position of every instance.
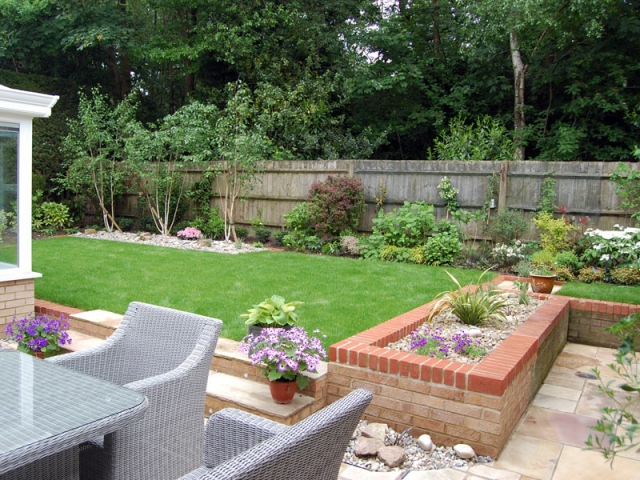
(477, 404)
(589, 318)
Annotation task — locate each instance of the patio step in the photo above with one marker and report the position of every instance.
(233, 381)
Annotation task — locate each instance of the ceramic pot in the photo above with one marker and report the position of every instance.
(542, 283)
(283, 391)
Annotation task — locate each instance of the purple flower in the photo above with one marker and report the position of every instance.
(38, 333)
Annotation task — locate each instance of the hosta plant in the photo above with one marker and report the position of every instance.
(272, 312)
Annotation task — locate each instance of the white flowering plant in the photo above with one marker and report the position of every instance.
(508, 254)
(610, 248)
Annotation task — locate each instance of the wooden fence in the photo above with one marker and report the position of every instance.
(583, 188)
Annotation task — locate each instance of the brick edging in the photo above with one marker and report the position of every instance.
(49, 308)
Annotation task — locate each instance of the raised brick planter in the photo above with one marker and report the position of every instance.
(478, 404)
(589, 318)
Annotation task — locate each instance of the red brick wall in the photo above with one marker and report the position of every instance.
(478, 404)
(589, 318)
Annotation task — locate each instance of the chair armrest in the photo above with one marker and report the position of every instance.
(100, 361)
(230, 432)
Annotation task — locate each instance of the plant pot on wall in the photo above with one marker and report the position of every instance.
(542, 283)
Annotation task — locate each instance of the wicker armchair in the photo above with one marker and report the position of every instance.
(242, 446)
(164, 354)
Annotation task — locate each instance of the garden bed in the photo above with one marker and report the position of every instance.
(478, 404)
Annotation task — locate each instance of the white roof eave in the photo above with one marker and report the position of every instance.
(21, 102)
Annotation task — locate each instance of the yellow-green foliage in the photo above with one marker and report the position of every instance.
(542, 257)
(563, 273)
(626, 275)
(417, 255)
(591, 274)
(554, 232)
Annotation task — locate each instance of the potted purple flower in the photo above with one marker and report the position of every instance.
(39, 335)
(286, 355)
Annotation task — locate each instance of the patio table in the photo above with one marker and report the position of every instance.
(48, 410)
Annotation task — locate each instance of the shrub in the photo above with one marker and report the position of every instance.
(263, 234)
(610, 248)
(626, 275)
(408, 226)
(508, 226)
(473, 306)
(189, 233)
(523, 268)
(591, 274)
(542, 258)
(563, 273)
(242, 232)
(555, 233)
(336, 205)
(627, 182)
(125, 223)
(299, 219)
(442, 249)
(370, 246)
(54, 215)
(391, 253)
(279, 236)
(211, 226)
(505, 255)
(349, 245)
(567, 259)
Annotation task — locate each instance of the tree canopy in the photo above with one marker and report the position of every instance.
(354, 78)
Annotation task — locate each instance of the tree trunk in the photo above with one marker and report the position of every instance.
(519, 72)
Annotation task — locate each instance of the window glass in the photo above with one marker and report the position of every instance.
(9, 134)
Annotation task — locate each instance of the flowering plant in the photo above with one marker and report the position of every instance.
(38, 334)
(189, 233)
(433, 344)
(286, 354)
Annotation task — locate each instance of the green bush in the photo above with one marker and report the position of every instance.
(279, 236)
(211, 225)
(54, 215)
(408, 226)
(442, 249)
(125, 223)
(508, 226)
(242, 232)
(391, 253)
(542, 258)
(370, 246)
(568, 259)
(299, 219)
(263, 234)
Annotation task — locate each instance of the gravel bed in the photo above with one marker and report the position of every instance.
(171, 242)
(489, 337)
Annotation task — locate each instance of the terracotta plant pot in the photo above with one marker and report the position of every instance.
(38, 354)
(283, 391)
(542, 283)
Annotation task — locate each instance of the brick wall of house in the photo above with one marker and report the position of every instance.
(16, 300)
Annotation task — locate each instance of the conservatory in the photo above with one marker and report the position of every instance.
(17, 110)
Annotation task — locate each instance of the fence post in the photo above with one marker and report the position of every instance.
(502, 192)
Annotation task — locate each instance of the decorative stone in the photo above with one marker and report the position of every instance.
(90, 231)
(464, 451)
(144, 237)
(375, 430)
(366, 447)
(204, 242)
(474, 332)
(425, 443)
(392, 456)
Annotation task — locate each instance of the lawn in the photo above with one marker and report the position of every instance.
(341, 296)
(602, 291)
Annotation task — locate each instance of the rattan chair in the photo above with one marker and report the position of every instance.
(165, 354)
(242, 446)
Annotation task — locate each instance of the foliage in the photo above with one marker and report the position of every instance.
(449, 194)
(473, 304)
(272, 312)
(349, 244)
(201, 192)
(211, 225)
(391, 253)
(610, 248)
(125, 223)
(432, 344)
(563, 273)
(547, 202)
(189, 233)
(618, 427)
(441, 249)
(39, 333)
(487, 139)
(523, 267)
(298, 219)
(95, 150)
(243, 145)
(555, 233)
(286, 354)
(381, 195)
(242, 233)
(54, 215)
(626, 275)
(567, 259)
(336, 205)
(408, 226)
(262, 233)
(508, 226)
(591, 274)
(627, 182)
(160, 153)
(523, 289)
(508, 254)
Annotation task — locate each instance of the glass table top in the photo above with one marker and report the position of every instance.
(39, 400)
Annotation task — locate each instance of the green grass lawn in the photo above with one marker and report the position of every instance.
(341, 296)
(602, 291)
